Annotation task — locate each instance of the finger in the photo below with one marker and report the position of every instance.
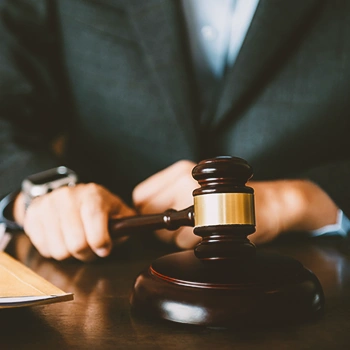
(96, 207)
(160, 202)
(35, 231)
(72, 227)
(53, 234)
(75, 238)
(177, 197)
(94, 214)
(160, 182)
(44, 228)
(118, 208)
(34, 228)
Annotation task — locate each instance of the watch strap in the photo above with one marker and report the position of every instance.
(6, 210)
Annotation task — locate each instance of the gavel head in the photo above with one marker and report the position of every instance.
(223, 209)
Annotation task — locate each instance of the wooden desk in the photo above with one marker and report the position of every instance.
(100, 318)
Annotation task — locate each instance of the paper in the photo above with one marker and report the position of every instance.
(20, 286)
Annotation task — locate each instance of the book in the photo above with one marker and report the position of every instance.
(20, 286)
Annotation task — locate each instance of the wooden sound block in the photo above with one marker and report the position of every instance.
(224, 281)
(266, 289)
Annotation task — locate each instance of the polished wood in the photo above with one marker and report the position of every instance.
(224, 282)
(218, 175)
(223, 242)
(171, 220)
(271, 289)
(100, 317)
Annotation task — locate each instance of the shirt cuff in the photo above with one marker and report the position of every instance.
(340, 228)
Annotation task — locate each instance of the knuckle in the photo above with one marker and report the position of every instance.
(39, 204)
(37, 239)
(64, 191)
(60, 254)
(44, 253)
(92, 208)
(138, 197)
(93, 189)
(94, 199)
(184, 165)
(98, 241)
(186, 181)
(77, 246)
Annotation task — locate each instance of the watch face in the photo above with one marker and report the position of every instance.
(48, 176)
(39, 179)
(41, 183)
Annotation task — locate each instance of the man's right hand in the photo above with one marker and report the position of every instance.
(71, 221)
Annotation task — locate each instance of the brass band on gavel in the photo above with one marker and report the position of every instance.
(224, 209)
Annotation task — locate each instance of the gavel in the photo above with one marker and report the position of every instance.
(225, 281)
(222, 201)
(171, 220)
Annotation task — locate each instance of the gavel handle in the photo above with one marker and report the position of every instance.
(171, 220)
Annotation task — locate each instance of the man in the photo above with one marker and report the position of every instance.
(132, 88)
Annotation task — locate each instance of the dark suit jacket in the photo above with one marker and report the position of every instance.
(115, 76)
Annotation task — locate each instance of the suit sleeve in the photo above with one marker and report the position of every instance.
(32, 108)
(333, 178)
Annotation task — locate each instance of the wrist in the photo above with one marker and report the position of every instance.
(19, 209)
(307, 207)
(46, 181)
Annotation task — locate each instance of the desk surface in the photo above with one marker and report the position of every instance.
(100, 318)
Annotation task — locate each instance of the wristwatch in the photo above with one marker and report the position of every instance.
(46, 181)
(34, 186)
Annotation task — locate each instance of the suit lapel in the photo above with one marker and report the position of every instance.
(274, 32)
(159, 28)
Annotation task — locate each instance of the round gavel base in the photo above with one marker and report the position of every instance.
(269, 288)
